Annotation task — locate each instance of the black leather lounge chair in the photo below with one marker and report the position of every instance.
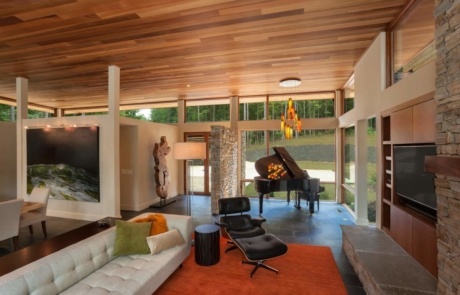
(247, 234)
(234, 223)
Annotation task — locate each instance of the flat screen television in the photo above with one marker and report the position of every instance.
(412, 183)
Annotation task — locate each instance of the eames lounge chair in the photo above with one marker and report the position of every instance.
(247, 234)
(39, 195)
(234, 223)
(9, 220)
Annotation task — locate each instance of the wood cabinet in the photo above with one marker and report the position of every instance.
(424, 245)
(401, 228)
(411, 230)
(423, 122)
(401, 126)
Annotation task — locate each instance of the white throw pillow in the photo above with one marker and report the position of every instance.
(164, 241)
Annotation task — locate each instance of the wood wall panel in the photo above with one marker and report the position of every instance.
(424, 250)
(401, 228)
(424, 126)
(401, 126)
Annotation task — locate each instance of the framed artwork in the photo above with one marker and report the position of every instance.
(66, 160)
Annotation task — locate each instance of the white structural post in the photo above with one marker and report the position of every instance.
(361, 202)
(22, 89)
(114, 127)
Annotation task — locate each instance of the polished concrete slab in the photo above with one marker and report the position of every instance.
(382, 265)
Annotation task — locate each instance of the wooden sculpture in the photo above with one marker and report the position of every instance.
(161, 169)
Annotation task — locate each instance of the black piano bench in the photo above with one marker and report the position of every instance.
(260, 248)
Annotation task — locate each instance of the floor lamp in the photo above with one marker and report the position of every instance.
(189, 151)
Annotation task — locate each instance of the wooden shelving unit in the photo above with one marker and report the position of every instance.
(413, 124)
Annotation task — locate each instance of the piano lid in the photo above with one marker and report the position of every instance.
(280, 166)
(289, 163)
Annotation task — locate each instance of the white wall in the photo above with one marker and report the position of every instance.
(137, 184)
(8, 186)
(142, 161)
(83, 210)
(128, 164)
(372, 99)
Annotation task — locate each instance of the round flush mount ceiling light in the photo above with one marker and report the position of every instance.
(290, 82)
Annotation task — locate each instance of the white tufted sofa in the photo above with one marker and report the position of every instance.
(89, 268)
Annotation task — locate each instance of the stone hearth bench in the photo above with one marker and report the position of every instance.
(382, 265)
(88, 267)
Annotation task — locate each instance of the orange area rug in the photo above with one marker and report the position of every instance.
(304, 269)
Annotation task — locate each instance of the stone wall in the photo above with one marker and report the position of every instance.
(224, 164)
(447, 36)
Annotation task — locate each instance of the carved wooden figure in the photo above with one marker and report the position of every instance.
(161, 169)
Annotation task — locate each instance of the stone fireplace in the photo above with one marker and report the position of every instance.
(447, 38)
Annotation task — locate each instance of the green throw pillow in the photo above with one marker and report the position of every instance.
(130, 238)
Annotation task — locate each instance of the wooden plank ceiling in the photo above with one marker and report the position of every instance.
(190, 49)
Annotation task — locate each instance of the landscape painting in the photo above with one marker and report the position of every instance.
(66, 160)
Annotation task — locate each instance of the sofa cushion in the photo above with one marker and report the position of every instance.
(165, 241)
(130, 238)
(158, 221)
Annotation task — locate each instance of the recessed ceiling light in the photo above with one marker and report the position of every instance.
(290, 82)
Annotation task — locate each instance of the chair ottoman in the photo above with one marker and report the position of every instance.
(260, 248)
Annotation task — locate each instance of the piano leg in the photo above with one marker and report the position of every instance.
(297, 200)
(261, 203)
(311, 203)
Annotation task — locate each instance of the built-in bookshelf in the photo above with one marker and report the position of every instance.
(412, 230)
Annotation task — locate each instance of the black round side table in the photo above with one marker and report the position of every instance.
(207, 244)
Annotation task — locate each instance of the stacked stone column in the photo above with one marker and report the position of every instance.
(447, 38)
(224, 164)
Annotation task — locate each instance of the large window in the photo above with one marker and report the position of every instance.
(371, 169)
(252, 108)
(413, 40)
(311, 105)
(136, 114)
(77, 114)
(349, 96)
(206, 111)
(8, 113)
(253, 147)
(350, 199)
(349, 166)
(164, 115)
(313, 150)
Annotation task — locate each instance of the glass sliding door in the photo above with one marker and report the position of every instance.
(349, 167)
(199, 169)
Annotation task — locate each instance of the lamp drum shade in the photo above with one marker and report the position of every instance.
(189, 150)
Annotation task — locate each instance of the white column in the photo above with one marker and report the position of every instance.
(22, 90)
(338, 148)
(379, 163)
(234, 112)
(361, 172)
(180, 112)
(114, 127)
(180, 123)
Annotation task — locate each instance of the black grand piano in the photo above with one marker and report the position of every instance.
(280, 172)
